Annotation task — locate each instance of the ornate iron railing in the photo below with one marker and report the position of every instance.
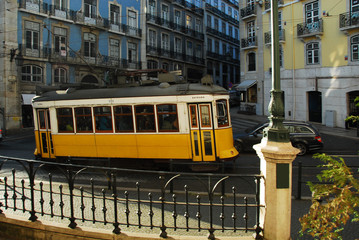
(268, 35)
(250, 42)
(179, 201)
(310, 29)
(349, 19)
(248, 11)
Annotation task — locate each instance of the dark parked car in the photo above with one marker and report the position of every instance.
(303, 136)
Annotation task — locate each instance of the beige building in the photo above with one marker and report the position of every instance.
(319, 57)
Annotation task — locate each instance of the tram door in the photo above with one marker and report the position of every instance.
(202, 132)
(45, 138)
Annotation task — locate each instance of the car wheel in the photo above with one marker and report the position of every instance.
(238, 146)
(302, 148)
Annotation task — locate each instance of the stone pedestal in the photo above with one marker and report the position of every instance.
(276, 189)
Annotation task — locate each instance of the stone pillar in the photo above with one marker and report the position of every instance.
(276, 166)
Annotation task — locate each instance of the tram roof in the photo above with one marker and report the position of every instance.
(140, 91)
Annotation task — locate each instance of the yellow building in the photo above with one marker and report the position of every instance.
(319, 57)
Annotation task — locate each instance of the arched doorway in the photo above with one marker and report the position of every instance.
(89, 79)
(315, 106)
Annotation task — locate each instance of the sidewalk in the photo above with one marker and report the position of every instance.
(336, 131)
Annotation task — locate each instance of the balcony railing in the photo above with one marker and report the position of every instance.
(268, 35)
(161, 52)
(349, 20)
(218, 12)
(249, 11)
(310, 29)
(222, 57)
(190, 6)
(39, 7)
(222, 35)
(247, 43)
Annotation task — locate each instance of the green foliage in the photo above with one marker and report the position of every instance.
(335, 200)
(354, 118)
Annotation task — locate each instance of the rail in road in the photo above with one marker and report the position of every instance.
(112, 198)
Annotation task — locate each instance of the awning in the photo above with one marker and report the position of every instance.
(27, 98)
(243, 86)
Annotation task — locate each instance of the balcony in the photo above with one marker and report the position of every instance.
(268, 35)
(248, 12)
(223, 57)
(222, 35)
(190, 6)
(39, 7)
(249, 43)
(63, 13)
(349, 20)
(221, 14)
(310, 29)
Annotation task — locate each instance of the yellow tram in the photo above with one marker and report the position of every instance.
(179, 122)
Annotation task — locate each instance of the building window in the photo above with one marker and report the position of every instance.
(152, 38)
(89, 45)
(60, 75)
(250, 2)
(224, 48)
(189, 50)
(90, 8)
(216, 24)
(114, 14)
(188, 21)
(312, 12)
(199, 51)
(165, 14)
(216, 47)
(132, 52)
(132, 19)
(165, 42)
(60, 4)
(151, 64)
(230, 11)
(223, 7)
(235, 14)
(251, 61)
(224, 28)
(153, 7)
(114, 48)
(209, 21)
(215, 2)
(31, 73)
(312, 53)
(32, 38)
(178, 17)
(209, 45)
(354, 45)
(230, 31)
(198, 26)
(178, 45)
(251, 31)
(60, 38)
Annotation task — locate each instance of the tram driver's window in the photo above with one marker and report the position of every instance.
(167, 118)
(145, 118)
(103, 119)
(65, 120)
(222, 113)
(123, 119)
(83, 119)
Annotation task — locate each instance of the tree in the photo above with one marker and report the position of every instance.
(335, 200)
(352, 118)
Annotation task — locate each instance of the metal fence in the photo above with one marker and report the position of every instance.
(116, 197)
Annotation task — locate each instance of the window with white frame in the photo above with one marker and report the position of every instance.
(198, 26)
(152, 6)
(132, 52)
(60, 41)
(89, 45)
(178, 17)
(31, 73)
(312, 12)
(312, 53)
(60, 4)
(132, 19)
(114, 48)
(189, 49)
(354, 46)
(152, 39)
(32, 37)
(165, 12)
(114, 14)
(250, 2)
(235, 14)
(178, 45)
(165, 42)
(251, 31)
(188, 21)
(90, 8)
(60, 75)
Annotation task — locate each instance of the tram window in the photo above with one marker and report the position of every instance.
(167, 118)
(145, 118)
(123, 119)
(205, 116)
(42, 122)
(193, 113)
(83, 119)
(65, 120)
(222, 113)
(103, 119)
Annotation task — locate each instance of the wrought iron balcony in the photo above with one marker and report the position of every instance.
(310, 29)
(59, 12)
(222, 35)
(221, 14)
(349, 20)
(190, 6)
(249, 43)
(268, 35)
(249, 11)
(39, 7)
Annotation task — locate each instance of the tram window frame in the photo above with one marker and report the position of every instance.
(144, 118)
(223, 120)
(167, 121)
(123, 118)
(101, 118)
(205, 116)
(194, 116)
(65, 122)
(83, 118)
